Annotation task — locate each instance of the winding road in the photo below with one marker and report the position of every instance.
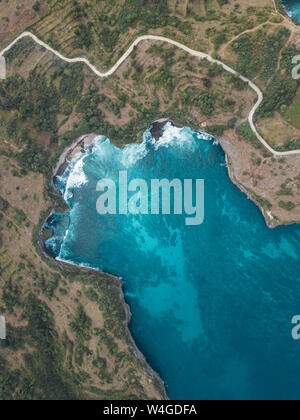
(194, 53)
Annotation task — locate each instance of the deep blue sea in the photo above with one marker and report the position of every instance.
(293, 9)
(212, 304)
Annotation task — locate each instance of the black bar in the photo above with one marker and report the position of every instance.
(90, 410)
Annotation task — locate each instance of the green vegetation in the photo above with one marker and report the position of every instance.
(245, 131)
(293, 112)
(289, 206)
(3, 204)
(258, 53)
(281, 92)
(269, 58)
(83, 36)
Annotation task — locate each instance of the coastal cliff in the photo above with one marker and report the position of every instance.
(80, 146)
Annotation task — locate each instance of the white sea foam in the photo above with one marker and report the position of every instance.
(172, 134)
(134, 152)
(100, 141)
(83, 265)
(76, 177)
(180, 136)
(66, 235)
(207, 137)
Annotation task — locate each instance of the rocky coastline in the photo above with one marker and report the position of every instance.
(80, 146)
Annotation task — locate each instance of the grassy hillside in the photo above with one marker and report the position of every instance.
(103, 30)
(252, 38)
(67, 328)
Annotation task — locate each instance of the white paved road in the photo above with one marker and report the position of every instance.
(169, 41)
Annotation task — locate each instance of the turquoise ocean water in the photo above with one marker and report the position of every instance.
(212, 304)
(293, 9)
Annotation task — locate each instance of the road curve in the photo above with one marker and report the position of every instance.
(169, 41)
